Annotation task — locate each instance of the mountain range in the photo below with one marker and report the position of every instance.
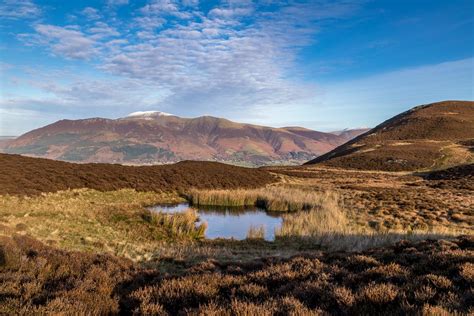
(153, 137)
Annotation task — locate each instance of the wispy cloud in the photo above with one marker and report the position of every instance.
(91, 13)
(117, 2)
(19, 9)
(65, 42)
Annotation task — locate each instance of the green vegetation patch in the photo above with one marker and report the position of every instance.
(29, 149)
(79, 153)
(142, 150)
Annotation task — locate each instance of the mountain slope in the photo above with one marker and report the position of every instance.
(429, 136)
(157, 137)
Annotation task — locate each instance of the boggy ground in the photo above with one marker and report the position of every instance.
(394, 200)
(429, 278)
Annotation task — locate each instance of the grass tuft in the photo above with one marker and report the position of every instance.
(256, 232)
(180, 224)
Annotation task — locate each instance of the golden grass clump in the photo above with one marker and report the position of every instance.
(382, 293)
(256, 232)
(467, 271)
(325, 216)
(179, 224)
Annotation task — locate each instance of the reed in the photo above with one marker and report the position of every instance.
(326, 217)
(270, 198)
(256, 232)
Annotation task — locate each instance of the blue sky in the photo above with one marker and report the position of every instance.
(324, 65)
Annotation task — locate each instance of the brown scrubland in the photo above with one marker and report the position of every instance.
(25, 175)
(426, 278)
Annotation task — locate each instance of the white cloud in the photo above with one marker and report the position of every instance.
(66, 42)
(91, 13)
(159, 7)
(147, 22)
(102, 30)
(66, 93)
(19, 9)
(117, 2)
(228, 13)
(190, 3)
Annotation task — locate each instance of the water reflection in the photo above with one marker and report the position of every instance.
(229, 222)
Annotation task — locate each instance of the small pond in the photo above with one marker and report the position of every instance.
(229, 222)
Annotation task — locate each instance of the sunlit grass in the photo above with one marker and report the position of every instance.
(179, 224)
(83, 219)
(270, 198)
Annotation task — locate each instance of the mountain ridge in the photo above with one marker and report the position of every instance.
(152, 137)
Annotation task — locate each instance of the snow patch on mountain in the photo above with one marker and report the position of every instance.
(148, 114)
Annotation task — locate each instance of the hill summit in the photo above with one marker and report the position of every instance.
(430, 136)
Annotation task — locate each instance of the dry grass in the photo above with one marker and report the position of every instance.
(418, 270)
(179, 224)
(320, 220)
(28, 176)
(275, 198)
(256, 232)
(381, 201)
(115, 222)
(322, 217)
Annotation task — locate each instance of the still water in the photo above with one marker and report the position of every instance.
(229, 222)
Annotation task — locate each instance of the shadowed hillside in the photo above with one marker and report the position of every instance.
(25, 175)
(430, 136)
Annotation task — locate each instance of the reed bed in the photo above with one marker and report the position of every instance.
(272, 198)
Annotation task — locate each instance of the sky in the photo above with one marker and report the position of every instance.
(324, 65)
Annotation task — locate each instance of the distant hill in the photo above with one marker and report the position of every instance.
(156, 137)
(431, 136)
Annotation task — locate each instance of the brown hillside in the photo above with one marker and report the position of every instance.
(430, 136)
(24, 175)
(157, 138)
